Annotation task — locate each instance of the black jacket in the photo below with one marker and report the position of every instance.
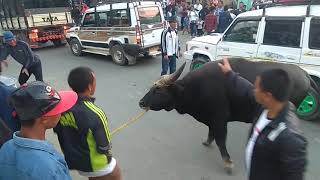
(279, 152)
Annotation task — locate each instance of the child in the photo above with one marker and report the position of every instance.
(200, 27)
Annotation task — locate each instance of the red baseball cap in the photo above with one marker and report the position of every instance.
(37, 99)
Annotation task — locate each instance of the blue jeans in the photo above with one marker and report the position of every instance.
(168, 63)
(193, 29)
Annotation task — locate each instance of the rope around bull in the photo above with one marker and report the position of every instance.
(132, 120)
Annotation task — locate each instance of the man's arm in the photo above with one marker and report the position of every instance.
(163, 42)
(293, 158)
(102, 136)
(29, 55)
(239, 86)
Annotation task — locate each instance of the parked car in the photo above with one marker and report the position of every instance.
(288, 34)
(123, 30)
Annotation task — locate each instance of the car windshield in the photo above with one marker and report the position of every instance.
(149, 15)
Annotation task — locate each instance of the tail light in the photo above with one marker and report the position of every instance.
(65, 29)
(138, 35)
(33, 34)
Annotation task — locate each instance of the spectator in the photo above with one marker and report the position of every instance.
(28, 155)
(198, 7)
(193, 18)
(224, 20)
(200, 27)
(210, 22)
(83, 131)
(170, 47)
(204, 11)
(76, 15)
(240, 10)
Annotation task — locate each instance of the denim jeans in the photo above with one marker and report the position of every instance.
(193, 28)
(168, 63)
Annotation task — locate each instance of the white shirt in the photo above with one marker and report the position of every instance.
(171, 43)
(262, 122)
(197, 7)
(193, 16)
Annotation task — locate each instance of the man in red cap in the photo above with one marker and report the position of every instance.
(28, 155)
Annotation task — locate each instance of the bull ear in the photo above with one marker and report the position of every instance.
(173, 77)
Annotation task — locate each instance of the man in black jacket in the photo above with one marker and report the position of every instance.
(276, 149)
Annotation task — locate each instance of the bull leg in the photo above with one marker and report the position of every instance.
(221, 138)
(210, 137)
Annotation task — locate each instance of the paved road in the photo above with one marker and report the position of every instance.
(162, 145)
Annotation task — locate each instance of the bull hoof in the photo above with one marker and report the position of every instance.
(228, 166)
(207, 144)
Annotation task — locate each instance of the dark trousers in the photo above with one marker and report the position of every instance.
(193, 28)
(168, 63)
(36, 70)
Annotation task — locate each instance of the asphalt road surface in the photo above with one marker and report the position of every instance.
(162, 145)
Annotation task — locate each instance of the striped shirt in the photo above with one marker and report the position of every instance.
(84, 136)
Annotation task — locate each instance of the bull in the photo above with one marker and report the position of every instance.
(203, 95)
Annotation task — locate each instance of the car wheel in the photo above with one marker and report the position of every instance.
(309, 108)
(118, 56)
(76, 47)
(197, 63)
(58, 43)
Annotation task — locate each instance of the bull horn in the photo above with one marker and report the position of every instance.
(174, 76)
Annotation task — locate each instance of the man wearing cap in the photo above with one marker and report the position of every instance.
(83, 131)
(170, 47)
(28, 155)
(22, 53)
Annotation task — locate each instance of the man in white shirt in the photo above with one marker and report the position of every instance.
(198, 7)
(170, 47)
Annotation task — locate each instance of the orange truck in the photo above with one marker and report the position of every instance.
(36, 21)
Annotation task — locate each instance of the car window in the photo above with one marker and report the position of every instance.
(149, 15)
(89, 20)
(314, 36)
(119, 17)
(285, 33)
(102, 19)
(243, 32)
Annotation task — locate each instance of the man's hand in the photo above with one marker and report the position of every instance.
(166, 57)
(25, 71)
(225, 67)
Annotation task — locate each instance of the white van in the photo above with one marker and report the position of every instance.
(122, 30)
(288, 34)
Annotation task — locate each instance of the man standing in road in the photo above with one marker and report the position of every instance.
(276, 148)
(170, 47)
(22, 53)
(83, 131)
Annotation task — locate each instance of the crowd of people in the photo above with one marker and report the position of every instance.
(203, 18)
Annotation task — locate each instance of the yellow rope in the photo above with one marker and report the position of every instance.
(128, 122)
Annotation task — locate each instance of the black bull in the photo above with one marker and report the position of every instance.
(202, 94)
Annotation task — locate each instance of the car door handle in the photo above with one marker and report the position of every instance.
(290, 57)
(224, 49)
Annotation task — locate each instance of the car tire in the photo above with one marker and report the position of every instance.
(309, 108)
(58, 43)
(76, 47)
(197, 63)
(118, 56)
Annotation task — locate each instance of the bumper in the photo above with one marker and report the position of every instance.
(188, 56)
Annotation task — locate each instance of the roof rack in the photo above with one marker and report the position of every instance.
(273, 3)
(103, 2)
